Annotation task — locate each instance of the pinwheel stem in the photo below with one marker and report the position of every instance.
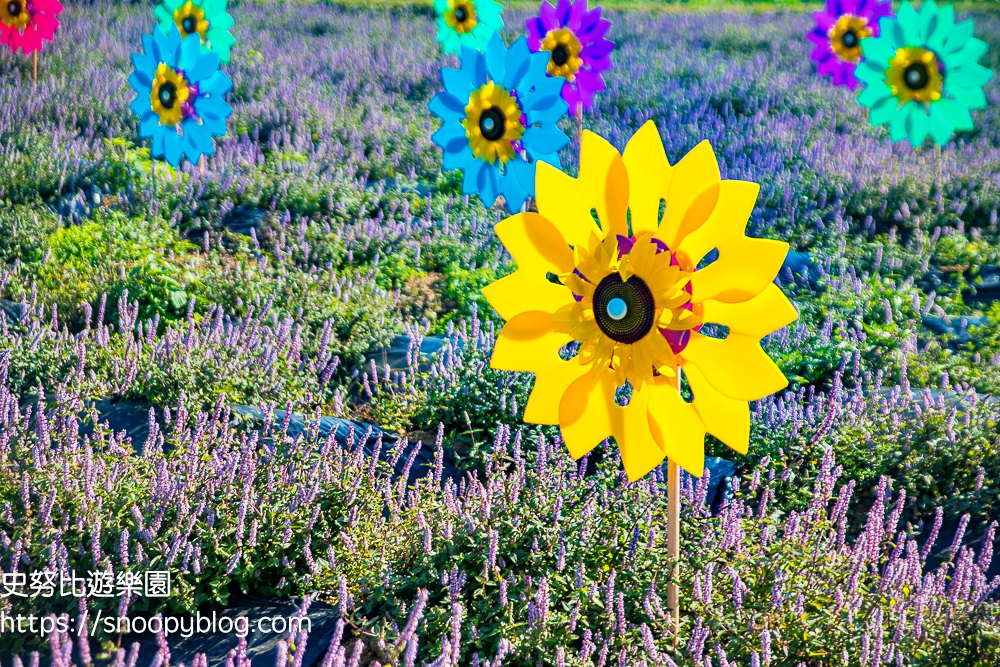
(937, 160)
(34, 65)
(201, 166)
(674, 537)
(579, 123)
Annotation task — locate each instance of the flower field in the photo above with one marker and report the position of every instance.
(270, 376)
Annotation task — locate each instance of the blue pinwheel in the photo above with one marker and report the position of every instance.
(179, 93)
(500, 112)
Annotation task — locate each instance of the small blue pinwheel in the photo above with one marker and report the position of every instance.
(500, 112)
(179, 93)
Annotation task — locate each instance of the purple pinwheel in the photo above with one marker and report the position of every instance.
(574, 36)
(838, 34)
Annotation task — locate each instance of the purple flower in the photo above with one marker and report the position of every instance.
(579, 51)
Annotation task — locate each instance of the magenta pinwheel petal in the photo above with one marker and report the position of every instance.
(838, 33)
(575, 35)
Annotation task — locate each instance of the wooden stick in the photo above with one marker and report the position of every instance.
(937, 160)
(674, 536)
(34, 65)
(579, 124)
(201, 166)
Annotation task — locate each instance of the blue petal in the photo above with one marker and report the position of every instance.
(513, 194)
(189, 149)
(190, 52)
(456, 83)
(205, 65)
(217, 84)
(552, 114)
(144, 67)
(212, 107)
(141, 104)
(450, 137)
(544, 94)
(518, 63)
(172, 148)
(524, 172)
(148, 124)
(474, 66)
(139, 85)
(552, 160)
(148, 47)
(458, 159)
(538, 64)
(159, 135)
(496, 58)
(470, 178)
(215, 126)
(447, 107)
(174, 45)
(487, 183)
(200, 138)
(544, 139)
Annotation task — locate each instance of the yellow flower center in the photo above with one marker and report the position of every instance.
(170, 92)
(492, 123)
(626, 306)
(14, 14)
(914, 74)
(461, 15)
(846, 36)
(565, 49)
(190, 20)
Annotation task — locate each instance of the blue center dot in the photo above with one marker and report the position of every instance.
(617, 309)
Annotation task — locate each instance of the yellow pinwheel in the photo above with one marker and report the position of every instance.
(600, 266)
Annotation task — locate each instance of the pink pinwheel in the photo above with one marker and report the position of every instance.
(838, 34)
(574, 36)
(25, 24)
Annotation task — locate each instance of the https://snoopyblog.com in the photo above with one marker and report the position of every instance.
(153, 584)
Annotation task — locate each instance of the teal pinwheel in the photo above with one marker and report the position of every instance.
(468, 23)
(921, 74)
(206, 18)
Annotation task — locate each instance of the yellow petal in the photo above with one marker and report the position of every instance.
(676, 426)
(649, 175)
(528, 343)
(642, 359)
(602, 186)
(692, 195)
(535, 243)
(537, 248)
(744, 268)
(725, 418)
(584, 414)
(605, 179)
(727, 221)
(763, 314)
(737, 366)
(630, 425)
(561, 199)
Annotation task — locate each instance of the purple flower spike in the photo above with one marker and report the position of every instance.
(574, 35)
(838, 34)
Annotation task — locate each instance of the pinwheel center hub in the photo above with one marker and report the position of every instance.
(492, 123)
(14, 8)
(560, 55)
(189, 24)
(850, 39)
(624, 310)
(461, 15)
(916, 77)
(168, 95)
